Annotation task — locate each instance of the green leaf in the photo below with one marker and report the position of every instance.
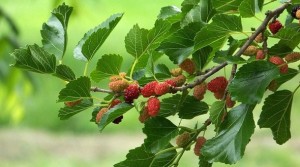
(159, 131)
(54, 32)
(94, 38)
(66, 112)
(234, 134)
(170, 106)
(107, 66)
(35, 58)
(251, 81)
(229, 59)
(162, 72)
(64, 72)
(226, 5)
(286, 77)
(276, 114)
(279, 49)
(191, 108)
(216, 112)
(202, 57)
(94, 114)
(113, 113)
(216, 33)
(76, 89)
(139, 157)
(202, 12)
(141, 43)
(168, 11)
(187, 5)
(289, 36)
(247, 8)
(203, 162)
(180, 45)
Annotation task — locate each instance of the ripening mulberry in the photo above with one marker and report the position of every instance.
(218, 84)
(229, 103)
(175, 72)
(100, 114)
(171, 82)
(148, 89)
(295, 12)
(260, 54)
(188, 65)
(118, 120)
(153, 105)
(180, 80)
(292, 57)
(259, 38)
(275, 26)
(199, 91)
(250, 51)
(183, 139)
(144, 116)
(118, 86)
(115, 102)
(283, 67)
(199, 143)
(162, 88)
(131, 92)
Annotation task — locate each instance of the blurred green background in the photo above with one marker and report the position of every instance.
(31, 134)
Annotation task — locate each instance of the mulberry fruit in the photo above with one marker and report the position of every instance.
(162, 88)
(199, 143)
(153, 105)
(283, 67)
(148, 89)
(131, 92)
(188, 66)
(275, 26)
(199, 91)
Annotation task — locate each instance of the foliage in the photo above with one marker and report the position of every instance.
(15, 84)
(193, 37)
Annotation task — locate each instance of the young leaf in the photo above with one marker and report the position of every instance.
(276, 114)
(94, 38)
(180, 45)
(202, 12)
(54, 32)
(113, 113)
(251, 81)
(280, 49)
(216, 112)
(191, 108)
(216, 33)
(66, 112)
(187, 5)
(159, 131)
(139, 157)
(234, 134)
(247, 8)
(76, 89)
(64, 72)
(225, 5)
(168, 11)
(107, 66)
(35, 58)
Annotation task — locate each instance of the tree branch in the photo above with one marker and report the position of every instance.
(260, 29)
(96, 89)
